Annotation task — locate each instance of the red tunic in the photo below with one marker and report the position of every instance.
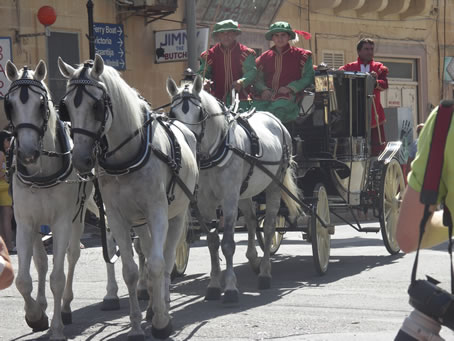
(382, 84)
(226, 67)
(281, 69)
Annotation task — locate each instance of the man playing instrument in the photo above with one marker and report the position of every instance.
(284, 71)
(366, 63)
(228, 64)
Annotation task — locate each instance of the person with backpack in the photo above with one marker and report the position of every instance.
(412, 209)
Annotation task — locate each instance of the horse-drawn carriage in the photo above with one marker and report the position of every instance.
(335, 170)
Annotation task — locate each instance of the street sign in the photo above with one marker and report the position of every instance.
(5, 55)
(109, 43)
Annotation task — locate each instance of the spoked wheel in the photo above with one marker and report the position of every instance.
(320, 237)
(392, 188)
(182, 256)
(278, 236)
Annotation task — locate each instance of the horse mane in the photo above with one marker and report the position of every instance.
(52, 123)
(125, 99)
(209, 102)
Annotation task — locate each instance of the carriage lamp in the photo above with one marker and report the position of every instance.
(46, 16)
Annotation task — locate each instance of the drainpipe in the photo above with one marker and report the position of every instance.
(191, 34)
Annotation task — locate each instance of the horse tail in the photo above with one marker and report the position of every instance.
(289, 182)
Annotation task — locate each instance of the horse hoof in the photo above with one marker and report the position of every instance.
(67, 318)
(136, 337)
(230, 296)
(110, 304)
(264, 282)
(149, 315)
(163, 333)
(142, 295)
(213, 294)
(38, 325)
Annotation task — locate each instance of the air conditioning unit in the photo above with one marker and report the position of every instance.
(167, 5)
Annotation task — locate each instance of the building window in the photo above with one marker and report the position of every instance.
(401, 69)
(334, 59)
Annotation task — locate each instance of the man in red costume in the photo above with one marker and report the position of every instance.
(228, 64)
(284, 71)
(366, 63)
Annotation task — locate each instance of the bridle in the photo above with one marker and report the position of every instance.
(186, 97)
(102, 106)
(26, 84)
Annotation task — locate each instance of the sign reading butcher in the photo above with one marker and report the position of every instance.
(172, 45)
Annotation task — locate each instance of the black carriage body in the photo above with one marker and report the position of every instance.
(333, 139)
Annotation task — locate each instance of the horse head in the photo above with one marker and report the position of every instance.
(88, 106)
(28, 111)
(187, 104)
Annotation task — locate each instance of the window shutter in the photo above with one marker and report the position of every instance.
(334, 59)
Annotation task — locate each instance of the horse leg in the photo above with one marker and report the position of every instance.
(61, 235)
(176, 227)
(41, 265)
(214, 287)
(161, 325)
(130, 272)
(111, 300)
(230, 210)
(35, 317)
(273, 201)
(73, 256)
(247, 208)
(144, 287)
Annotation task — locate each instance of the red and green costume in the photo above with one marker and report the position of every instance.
(293, 69)
(224, 66)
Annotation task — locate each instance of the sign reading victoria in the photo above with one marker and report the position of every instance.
(109, 43)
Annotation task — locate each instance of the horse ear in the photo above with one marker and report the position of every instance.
(40, 71)
(98, 67)
(11, 71)
(197, 85)
(171, 86)
(66, 70)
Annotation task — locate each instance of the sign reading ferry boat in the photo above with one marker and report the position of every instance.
(109, 43)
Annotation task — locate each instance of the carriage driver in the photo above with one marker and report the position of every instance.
(284, 71)
(366, 63)
(228, 64)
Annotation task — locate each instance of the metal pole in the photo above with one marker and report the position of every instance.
(91, 37)
(191, 34)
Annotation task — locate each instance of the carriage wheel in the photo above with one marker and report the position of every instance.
(278, 236)
(182, 257)
(321, 239)
(392, 188)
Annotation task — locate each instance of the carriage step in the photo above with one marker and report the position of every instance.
(370, 229)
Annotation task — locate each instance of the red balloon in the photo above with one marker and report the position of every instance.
(47, 15)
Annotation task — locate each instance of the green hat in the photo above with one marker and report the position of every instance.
(226, 25)
(280, 26)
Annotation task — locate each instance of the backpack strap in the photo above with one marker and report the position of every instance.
(432, 178)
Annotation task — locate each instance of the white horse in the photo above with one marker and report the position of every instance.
(138, 159)
(42, 165)
(224, 173)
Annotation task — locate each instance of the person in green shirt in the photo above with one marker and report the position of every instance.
(411, 210)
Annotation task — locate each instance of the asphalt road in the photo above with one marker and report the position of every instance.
(362, 296)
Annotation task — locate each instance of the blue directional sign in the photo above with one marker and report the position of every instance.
(109, 43)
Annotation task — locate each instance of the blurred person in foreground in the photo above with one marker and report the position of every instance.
(411, 210)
